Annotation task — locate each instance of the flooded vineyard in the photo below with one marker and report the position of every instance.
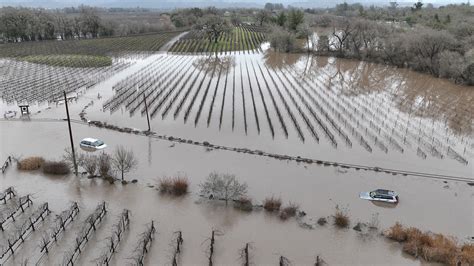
(207, 112)
(25, 82)
(310, 103)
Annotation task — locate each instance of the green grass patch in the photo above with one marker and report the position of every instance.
(69, 60)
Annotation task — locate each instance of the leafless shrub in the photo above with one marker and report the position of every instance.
(176, 186)
(397, 233)
(56, 168)
(289, 211)
(90, 164)
(69, 159)
(165, 185)
(341, 218)
(322, 221)
(466, 256)
(431, 247)
(30, 163)
(180, 186)
(104, 164)
(272, 204)
(244, 204)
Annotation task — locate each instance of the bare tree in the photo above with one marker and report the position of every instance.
(262, 16)
(89, 163)
(123, 160)
(341, 33)
(223, 186)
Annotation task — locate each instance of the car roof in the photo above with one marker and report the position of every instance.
(90, 139)
(385, 192)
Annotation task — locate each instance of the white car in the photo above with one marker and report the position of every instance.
(91, 144)
(383, 195)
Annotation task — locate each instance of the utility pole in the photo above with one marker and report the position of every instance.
(146, 109)
(70, 134)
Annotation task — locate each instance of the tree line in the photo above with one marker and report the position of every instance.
(437, 41)
(443, 49)
(20, 24)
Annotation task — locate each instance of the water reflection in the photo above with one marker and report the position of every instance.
(281, 60)
(410, 92)
(208, 64)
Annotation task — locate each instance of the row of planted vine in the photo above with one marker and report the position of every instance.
(116, 46)
(239, 38)
(27, 82)
(276, 101)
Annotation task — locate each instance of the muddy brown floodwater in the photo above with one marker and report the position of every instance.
(315, 107)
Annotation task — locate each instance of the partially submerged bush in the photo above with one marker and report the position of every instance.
(180, 186)
(104, 164)
(30, 163)
(223, 187)
(341, 219)
(165, 185)
(89, 163)
(431, 247)
(56, 168)
(176, 186)
(466, 255)
(272, 204)
(244, 204)
(322, 221)
(397, 233)
(289, 211)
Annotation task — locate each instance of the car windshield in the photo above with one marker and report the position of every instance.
(98, 143)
